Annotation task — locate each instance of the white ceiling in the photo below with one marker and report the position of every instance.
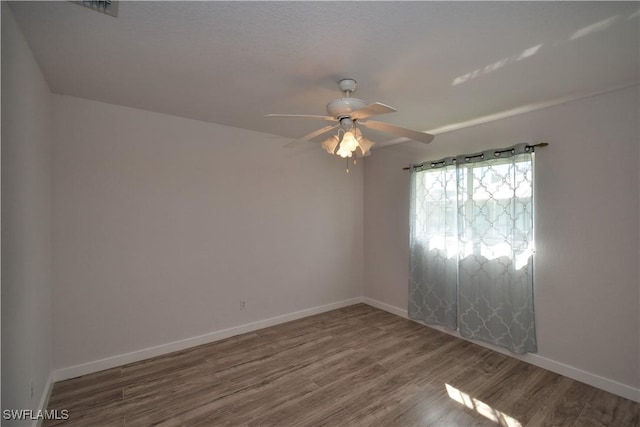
(231, 63)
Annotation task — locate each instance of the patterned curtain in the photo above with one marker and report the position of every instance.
(433, 274)
(471, 254)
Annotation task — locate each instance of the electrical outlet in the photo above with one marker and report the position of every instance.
(243, 304)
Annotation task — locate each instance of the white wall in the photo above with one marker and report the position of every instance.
(163, 224)
(587, 282)
(26, 228)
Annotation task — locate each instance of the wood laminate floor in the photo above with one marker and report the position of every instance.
(357, 366)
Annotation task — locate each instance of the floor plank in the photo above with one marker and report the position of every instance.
(356, 366)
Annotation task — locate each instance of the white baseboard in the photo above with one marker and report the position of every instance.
(606, 384)
(135, 356)
(44, 399)
(594, 380)
(386, 307)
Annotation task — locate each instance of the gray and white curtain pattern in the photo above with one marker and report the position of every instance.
(471, 246)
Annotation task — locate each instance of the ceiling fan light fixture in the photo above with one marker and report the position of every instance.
(343, 152)
(365, 145)
(348, 115)
(349, 141)
(331, 143)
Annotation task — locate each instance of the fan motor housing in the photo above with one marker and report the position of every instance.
(343, 107)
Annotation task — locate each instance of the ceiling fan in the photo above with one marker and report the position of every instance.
(350, 114)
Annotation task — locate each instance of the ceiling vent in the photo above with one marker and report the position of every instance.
(108, 7)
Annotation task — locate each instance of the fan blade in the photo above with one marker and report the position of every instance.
(312, 135)
(372, 110)
(397, 130)
(304, 116)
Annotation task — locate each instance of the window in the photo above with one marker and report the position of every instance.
(472, 246)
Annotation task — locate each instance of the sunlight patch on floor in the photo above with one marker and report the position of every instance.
(481, 408)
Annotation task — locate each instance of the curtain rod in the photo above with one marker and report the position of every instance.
(539, 145)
